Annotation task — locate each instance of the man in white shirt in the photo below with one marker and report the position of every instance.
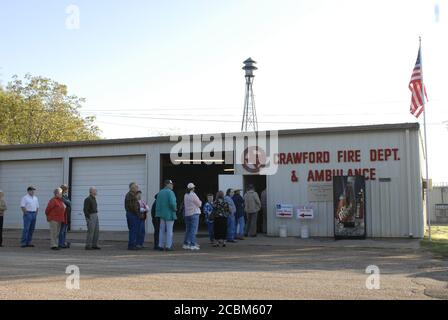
(30, 208)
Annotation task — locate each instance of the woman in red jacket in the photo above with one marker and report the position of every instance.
(55, 213)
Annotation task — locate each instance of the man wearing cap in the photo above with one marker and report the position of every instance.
(192, 206)
(166, 208)
(132, 207)
(64, 225)
(30, 208)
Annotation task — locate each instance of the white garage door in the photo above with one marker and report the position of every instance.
(16, 176)
(111, 176)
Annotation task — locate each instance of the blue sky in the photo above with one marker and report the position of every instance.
(145, 66)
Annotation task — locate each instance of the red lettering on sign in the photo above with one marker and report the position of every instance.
(395, 151)
(372, 174)
(384, 154)
(324, 175)
(310, 176)
(349, 156)
(328, 175)
(282, 158)
(302, 157)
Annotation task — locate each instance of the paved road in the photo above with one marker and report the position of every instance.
(261, 268)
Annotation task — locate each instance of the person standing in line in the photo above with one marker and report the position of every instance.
(219, 216)
(91, 214)
(166, 208)
(155, 223)
(192, 205)
(144, 209)
(3, 208)
(252, 205)
(63, 244)
(231, 220)
(240, 215)
(208, 210)
(264, 209)
(30, 209)
(55, 213)
(132, 208)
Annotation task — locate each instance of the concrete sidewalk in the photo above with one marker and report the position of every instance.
(260, 240)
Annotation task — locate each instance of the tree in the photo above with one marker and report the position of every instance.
(39, 110)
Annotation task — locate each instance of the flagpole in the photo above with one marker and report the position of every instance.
(428, 208)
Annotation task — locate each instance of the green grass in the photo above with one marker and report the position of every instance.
(439, 243)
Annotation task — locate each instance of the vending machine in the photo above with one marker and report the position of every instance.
(349, 207)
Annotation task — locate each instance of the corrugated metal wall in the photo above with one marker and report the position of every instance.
(16, 176)
(394, 205)
(394, 208)
(111, 176)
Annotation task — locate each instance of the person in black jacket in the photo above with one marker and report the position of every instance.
(239, 215)
(155, 223)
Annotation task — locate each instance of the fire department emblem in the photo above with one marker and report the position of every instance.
(254, 158)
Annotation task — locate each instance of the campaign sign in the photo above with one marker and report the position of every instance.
(284, 210)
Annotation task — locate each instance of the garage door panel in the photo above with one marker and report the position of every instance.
(111, 176)
(16, 176)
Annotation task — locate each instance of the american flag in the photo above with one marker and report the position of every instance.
(417, 103)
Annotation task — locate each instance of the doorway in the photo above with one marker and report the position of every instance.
(203, 174)
(259, 183)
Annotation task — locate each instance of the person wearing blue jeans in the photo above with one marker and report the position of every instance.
(64, 226)
(192, 207)
(240, 215)
(62, 236)
(231, 221)
(133, 216)
(134, 223)
(30, 208)
(29, 224)
(191, 224)
(208, 210)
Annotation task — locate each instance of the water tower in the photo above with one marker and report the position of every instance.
(250, 122)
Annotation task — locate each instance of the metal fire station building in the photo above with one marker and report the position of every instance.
(389, 156)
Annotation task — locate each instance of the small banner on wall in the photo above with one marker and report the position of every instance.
(305, 213)
(284, 210)
(349, 207)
